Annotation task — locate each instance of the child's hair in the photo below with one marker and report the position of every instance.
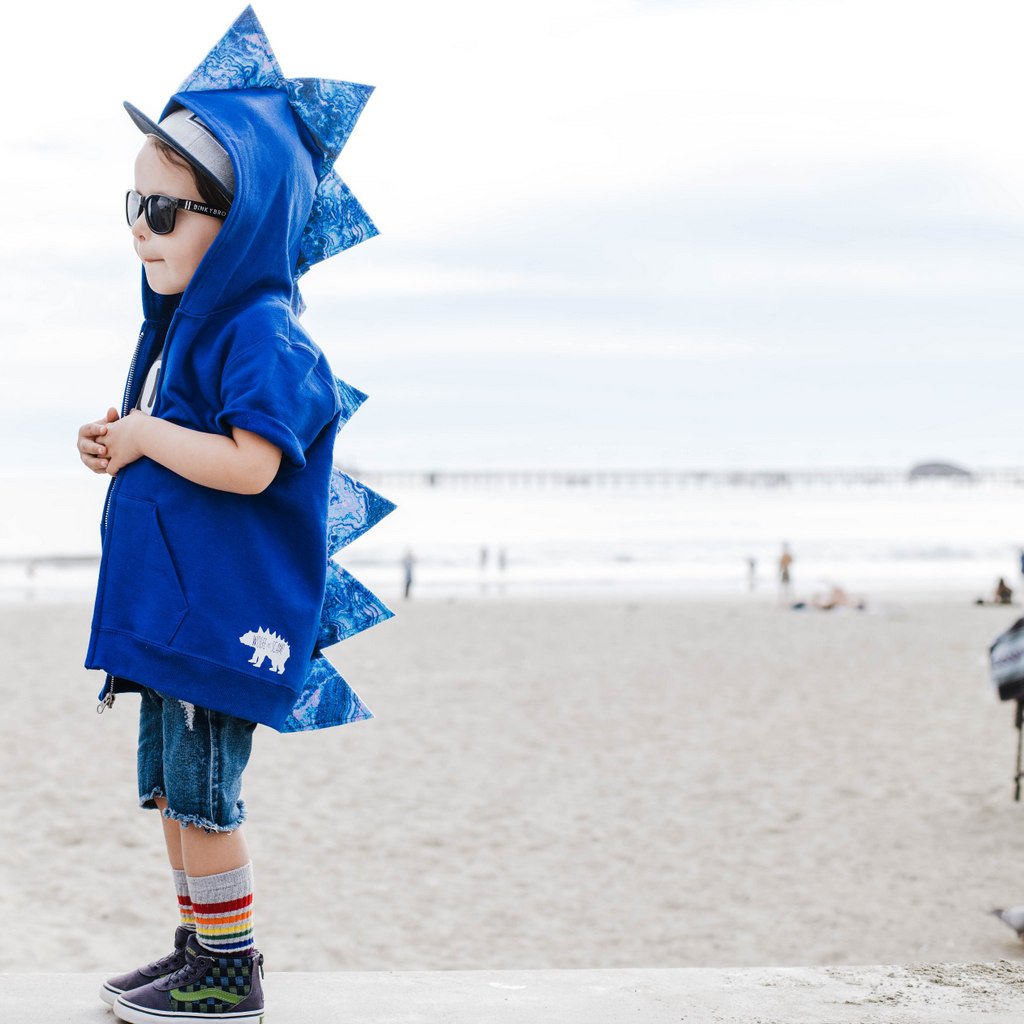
(206, 186)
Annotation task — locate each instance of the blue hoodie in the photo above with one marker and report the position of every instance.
(214, 597)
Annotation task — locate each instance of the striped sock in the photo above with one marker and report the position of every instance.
(184, 900)
(222, 905)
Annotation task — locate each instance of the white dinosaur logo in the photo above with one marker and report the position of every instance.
(265, 644)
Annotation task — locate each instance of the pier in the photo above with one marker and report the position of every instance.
(683, 479)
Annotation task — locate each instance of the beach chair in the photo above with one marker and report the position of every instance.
(1006, 665)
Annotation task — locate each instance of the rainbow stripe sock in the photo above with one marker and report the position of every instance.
(184, 900)
(222, 905)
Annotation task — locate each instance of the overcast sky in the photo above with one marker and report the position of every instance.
(632, 233)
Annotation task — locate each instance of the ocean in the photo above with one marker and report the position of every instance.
(522, 534)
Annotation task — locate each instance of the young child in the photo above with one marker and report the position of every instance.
(217, 591)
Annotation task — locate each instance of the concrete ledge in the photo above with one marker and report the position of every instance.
(939, 993)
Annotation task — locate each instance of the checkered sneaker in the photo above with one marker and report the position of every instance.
(206, 986)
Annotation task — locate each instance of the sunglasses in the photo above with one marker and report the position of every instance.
(161, 210)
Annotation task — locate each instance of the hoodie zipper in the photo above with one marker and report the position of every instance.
(108, 697)
(124, 412)
(131, 372)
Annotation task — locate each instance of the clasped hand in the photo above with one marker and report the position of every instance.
(108, 444)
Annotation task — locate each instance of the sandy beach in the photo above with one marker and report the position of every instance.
(555, 784)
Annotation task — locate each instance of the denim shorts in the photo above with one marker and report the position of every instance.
(195, 758)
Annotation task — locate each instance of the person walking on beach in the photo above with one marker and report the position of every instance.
(408, 562)
(785, 561)
(216, 591)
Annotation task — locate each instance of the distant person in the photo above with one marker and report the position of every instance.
(785, 562)
(501, 559)
(1003, 594)
(836, 597)
(408, 561)
(1022, 561)
(483, 558)
(752, 573)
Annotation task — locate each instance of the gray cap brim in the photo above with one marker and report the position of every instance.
(187, 135)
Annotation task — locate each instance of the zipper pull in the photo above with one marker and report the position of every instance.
(108, 699)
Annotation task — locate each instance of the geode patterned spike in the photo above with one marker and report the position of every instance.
(241, 59)
(329, 109)
(349, 607)
(352, 509)
(351, 399)
(326, 700)
(337, 222)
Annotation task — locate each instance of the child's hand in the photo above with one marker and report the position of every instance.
(91, 450)
(123, 440)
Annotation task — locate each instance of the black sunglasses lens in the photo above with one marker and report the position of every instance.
(160, 214)
(159, 211)
(132, 207)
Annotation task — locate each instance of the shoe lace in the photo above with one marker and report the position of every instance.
(193, 968)
(165, 962)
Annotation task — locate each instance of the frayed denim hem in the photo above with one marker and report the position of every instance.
(205, 823)
(147, 802)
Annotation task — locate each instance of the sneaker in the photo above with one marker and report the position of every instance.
(207, 985)
(113, 987)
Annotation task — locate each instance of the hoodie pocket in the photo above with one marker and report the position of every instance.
(144, 595)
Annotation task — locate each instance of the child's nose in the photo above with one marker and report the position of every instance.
(140, 228)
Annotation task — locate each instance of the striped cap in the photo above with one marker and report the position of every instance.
(186, 134)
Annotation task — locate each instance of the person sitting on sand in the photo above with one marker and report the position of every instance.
(1003, 594)
(837, 598)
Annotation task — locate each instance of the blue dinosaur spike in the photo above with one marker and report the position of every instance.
(349, 607)
(329, 109)
(326, 700)
(353, 508)
(337, 222)
(242, 59)
(351, 399)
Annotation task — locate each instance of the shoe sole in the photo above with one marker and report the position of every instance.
(142, 1015)
(109, 995)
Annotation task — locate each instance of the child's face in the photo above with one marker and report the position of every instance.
(170, 260)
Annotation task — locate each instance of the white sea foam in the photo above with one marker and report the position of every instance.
(929, 536)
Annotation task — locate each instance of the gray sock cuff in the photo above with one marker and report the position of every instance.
(180, 882)
(229, 885)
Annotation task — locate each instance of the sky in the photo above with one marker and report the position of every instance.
(613, 233)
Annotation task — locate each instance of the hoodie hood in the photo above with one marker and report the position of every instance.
(256, 252)
(291, 209)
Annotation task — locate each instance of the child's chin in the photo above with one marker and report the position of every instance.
(159, 282)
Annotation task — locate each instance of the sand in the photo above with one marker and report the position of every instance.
(556, 784)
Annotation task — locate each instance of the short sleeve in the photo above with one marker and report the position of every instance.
(278, 391)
